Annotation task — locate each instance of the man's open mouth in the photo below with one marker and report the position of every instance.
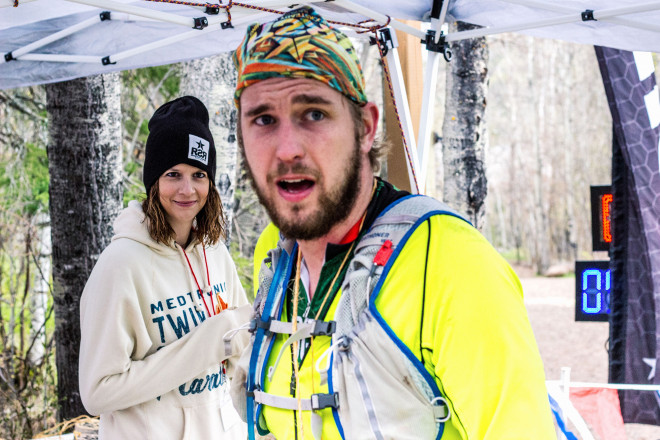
(295, 185)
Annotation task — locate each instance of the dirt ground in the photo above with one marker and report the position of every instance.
(563, 342)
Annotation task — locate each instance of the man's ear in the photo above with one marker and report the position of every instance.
(370, 125)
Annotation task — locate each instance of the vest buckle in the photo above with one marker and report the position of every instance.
(324, 328)
(321, 401)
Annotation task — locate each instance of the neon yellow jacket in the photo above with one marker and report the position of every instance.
(267, 240)
(472, 334)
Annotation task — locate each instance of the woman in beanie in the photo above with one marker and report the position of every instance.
(159, 309)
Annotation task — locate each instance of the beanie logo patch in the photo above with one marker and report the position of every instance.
(198, 149)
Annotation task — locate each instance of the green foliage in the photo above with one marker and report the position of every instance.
(244, 268)
(158, 79)
(27, 388)
(24, 183)
(27, 379)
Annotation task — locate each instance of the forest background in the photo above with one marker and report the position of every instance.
(548, 138)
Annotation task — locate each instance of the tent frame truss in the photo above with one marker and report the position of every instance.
(436, 42)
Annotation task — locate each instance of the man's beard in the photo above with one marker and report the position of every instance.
(333, 205)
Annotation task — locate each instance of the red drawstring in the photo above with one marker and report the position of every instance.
(221, 304)
(199, 289)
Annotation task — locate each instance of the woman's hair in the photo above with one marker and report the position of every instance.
(210, 221)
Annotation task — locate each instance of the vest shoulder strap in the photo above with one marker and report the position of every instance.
(375, 250)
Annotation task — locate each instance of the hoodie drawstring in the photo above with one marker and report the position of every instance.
(221, 304)
(199, 289)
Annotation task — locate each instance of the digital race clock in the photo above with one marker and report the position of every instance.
(601, 217)
(593, 286)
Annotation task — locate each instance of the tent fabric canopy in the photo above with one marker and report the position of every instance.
(623, 24)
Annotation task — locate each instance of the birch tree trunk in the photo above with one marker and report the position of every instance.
(40, 291)
(213, 81)
(568, 113)
(540, 258)
(464, 128)
(85, 197)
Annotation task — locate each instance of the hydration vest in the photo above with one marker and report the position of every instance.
(377, 388)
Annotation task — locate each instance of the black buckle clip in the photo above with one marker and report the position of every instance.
(441, 46)
(385, 38)
(321, 401)
(200, 22)
(588, 15)
(324, 328)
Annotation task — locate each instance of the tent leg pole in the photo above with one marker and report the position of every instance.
(403, 110)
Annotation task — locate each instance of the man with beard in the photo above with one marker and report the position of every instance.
(379, 314)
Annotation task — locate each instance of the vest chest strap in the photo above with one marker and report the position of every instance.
(315, 402)
(310, 327)
(304, 330)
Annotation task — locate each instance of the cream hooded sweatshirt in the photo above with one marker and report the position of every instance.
(150, 355)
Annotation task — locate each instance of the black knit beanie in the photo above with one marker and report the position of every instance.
(178, 133)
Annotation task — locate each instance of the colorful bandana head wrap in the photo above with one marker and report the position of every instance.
(299, 44)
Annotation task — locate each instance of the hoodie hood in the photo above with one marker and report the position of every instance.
(132, 223)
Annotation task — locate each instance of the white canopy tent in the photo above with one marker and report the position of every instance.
(47, 41)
